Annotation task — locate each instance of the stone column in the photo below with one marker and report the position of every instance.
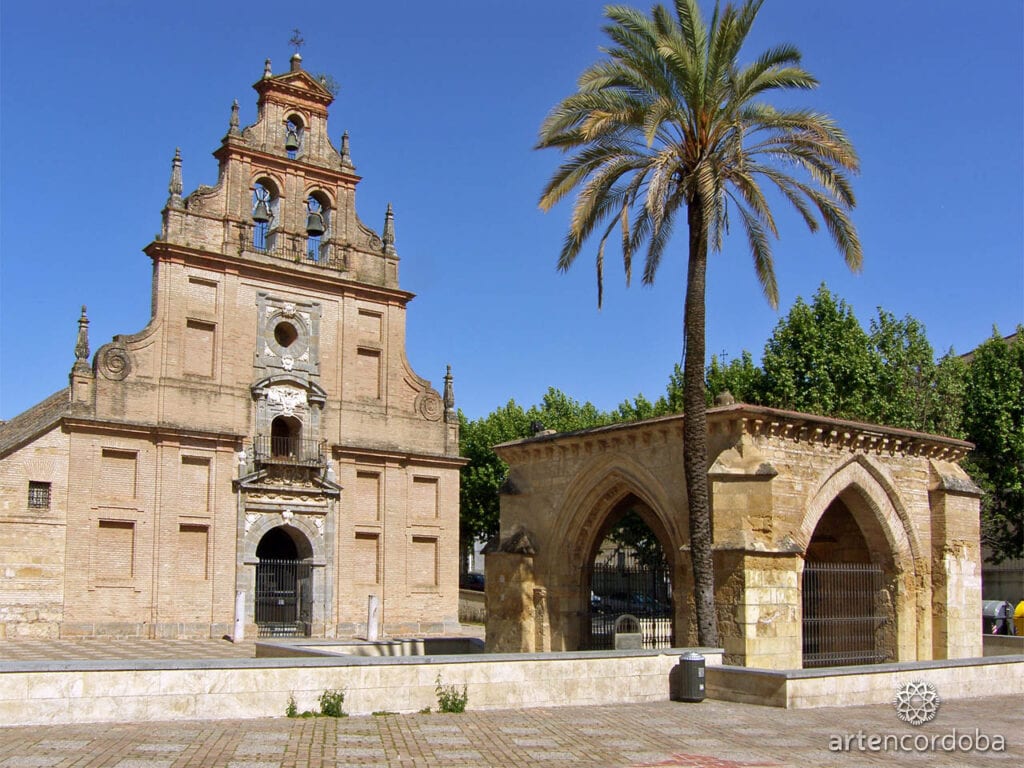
(511, 627)
(956, 563)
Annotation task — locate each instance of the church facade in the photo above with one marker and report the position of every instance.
(262, 449)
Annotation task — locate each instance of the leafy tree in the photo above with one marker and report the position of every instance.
(947, 416)
(994, 421)
(740, 377)
(483, 476)
(670, 120)
(820, 360)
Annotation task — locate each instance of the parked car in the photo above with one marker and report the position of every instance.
(471, 581)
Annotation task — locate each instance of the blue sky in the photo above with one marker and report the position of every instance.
(443, 101)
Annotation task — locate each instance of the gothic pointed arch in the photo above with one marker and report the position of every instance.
(876, 504)
(594, 494)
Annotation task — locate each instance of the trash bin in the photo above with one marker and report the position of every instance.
(686, 680)
(996, 617)
(1018, 618)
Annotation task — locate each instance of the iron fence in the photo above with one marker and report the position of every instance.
(283, 598)
(842, 614)
(623, 582)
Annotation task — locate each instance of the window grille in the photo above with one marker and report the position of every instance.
(38, 495)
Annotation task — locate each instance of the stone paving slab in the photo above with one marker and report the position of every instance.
(117, 649)
(711, 734)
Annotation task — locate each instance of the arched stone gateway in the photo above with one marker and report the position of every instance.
(798, 502)
(283, 596)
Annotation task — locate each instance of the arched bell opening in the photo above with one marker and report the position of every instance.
(284, 583)
(293, 135)
(265, 207)
(629, 572)
(318, 219)
(846, 590)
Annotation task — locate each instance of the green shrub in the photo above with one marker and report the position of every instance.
(291, 710)
(450, 698)
(330, 703)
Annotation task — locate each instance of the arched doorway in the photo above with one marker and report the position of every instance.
(629, 572)
(848, 615)
(284, 584)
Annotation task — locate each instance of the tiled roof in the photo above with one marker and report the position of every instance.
(33, 422)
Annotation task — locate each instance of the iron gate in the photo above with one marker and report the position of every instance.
(284, 598)
(624, 583)
(842, 616)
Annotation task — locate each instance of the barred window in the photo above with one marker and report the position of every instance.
(38, 495)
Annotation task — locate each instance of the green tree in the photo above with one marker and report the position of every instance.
(905, 392)
(994, 421)
(482, 478)
(739, 377)
(668, 121)
(819, 360)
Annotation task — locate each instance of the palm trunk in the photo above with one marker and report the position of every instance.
(695, 432)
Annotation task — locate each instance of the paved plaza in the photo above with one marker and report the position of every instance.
(712, 733)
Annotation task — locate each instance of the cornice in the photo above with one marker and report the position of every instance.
(284, 273)
(379, 455)
(152, 431)
(754, 420)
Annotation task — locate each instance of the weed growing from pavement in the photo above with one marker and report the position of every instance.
(450, 698)
(331, 702)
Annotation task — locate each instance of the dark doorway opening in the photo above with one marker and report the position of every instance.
(845, 607)
(284, 587)
(629, 574)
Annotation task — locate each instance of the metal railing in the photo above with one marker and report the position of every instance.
(625, 583)
(269, 449)
(843, 614)
(294, 248)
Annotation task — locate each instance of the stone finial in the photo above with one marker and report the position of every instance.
(82, 344)
(449, 397)
(725, 398)
(267, 71)
(389, 230)
(346, 154)
(233, 130)
(296, 62)
(175, 187)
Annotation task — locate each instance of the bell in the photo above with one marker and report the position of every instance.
(314, 224)
(261, 213)
(291, 141)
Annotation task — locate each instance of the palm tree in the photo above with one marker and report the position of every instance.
(670, 120)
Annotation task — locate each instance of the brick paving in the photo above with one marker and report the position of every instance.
(711, 734)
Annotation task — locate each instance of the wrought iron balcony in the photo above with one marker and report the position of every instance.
(267, 449)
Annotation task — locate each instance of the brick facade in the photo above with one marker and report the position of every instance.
(270, 390)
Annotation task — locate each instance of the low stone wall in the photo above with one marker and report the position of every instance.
(874, 684)
(472, 606)
(1002, 645)
(83, 691)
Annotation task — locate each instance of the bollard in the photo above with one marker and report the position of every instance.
(686, 680)
(239, 632)
(373, 621)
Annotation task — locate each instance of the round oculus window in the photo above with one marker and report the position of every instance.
(285, 334)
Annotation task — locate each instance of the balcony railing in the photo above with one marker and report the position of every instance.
(268, 449)
(294, 248)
